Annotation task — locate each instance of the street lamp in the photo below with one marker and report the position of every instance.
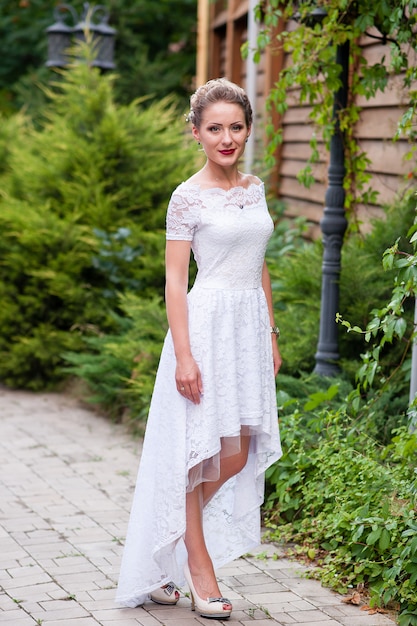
(333, 223)
(61, 35)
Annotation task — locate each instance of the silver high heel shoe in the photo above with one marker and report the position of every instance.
(166, 594)
(212, 607)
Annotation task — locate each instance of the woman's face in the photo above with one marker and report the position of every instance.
(223, 133)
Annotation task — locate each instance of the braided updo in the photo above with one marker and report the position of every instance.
(218, 90)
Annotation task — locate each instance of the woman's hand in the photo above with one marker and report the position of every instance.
(276, 354)
(188, 379)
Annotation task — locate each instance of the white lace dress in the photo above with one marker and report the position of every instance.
(231, 341)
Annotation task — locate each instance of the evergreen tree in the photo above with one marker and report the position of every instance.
(82, 214)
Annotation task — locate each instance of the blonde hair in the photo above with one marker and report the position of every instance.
(218, 90)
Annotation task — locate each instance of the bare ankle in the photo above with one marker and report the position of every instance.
(204, 579)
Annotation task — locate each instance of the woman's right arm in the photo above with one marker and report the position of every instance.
(187, 375)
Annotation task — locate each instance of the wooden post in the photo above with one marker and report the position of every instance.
(274, 63)
(202, 42)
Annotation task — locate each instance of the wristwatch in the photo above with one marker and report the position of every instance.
(275, 331)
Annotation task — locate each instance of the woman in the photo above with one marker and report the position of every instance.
(212, 428)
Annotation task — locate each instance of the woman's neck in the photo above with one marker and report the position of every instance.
(221, 177)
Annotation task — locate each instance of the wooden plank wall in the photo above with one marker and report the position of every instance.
(374, 130)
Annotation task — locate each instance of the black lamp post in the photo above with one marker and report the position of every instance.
(61, 35)
(333, 226)
(333, 223)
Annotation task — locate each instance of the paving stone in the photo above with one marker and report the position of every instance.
(17, 621)
(323, 623)
(366, 619)
(284, 618)
(278, 598)
(261, 622)
(190, 621)
(24, 571)
(7, 603)
(309, 617)
(328, 600)
(143, 619)
(126, 622)
(301, 605)
(13, 585)
(72, 621)
(278, 607)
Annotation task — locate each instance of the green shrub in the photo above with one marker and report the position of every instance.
(45, 288)
(347, 502)
(104, 163)
(120, 368)
(83, 199)
(364, 285)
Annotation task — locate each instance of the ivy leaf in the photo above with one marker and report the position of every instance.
(373, 536)
(384, 540)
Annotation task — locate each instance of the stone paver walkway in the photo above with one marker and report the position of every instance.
(66, 481)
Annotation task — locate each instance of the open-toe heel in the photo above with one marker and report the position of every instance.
(217, 608)
(166, 594)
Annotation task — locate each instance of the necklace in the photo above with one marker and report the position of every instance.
(239, 200)
(231, 186)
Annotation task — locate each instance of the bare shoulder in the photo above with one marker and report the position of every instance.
(197, 179)
(250, 179)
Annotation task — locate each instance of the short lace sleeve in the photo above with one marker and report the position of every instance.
(183, 213)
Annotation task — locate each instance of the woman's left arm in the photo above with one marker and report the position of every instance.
(266, 284)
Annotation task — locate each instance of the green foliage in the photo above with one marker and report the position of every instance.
(45, 287)
(156, 47)
(315, 74)
(82, 212)
(115, 259)
(120, 368)
(101, 160)
(345, 490)
(22, 45)
(348, 503)
(296, 280)
(296, 294)
(389, 324)
(154, 55)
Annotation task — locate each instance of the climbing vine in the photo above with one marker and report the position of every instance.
(313, 29)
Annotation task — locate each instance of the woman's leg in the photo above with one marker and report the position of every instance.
(229, 466)
(199, 561)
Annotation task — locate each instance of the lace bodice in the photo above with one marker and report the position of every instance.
(229, 231)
